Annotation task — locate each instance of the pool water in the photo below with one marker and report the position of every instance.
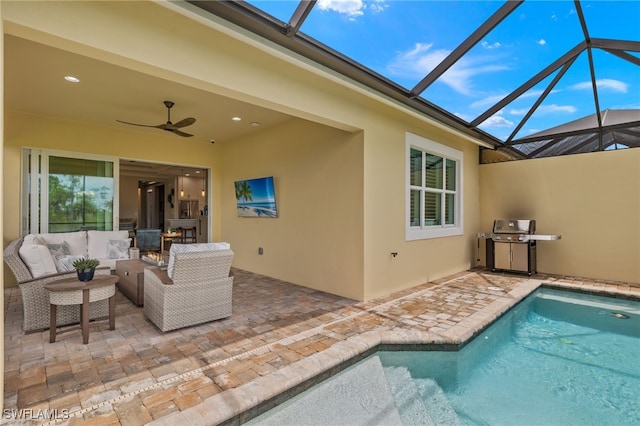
(558, 358)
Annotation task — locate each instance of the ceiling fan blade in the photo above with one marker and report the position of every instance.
(160, 126)
(184, 123)
(168, 126)
(180, 133)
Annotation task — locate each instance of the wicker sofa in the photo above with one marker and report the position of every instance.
(196, 288)
(35, 298)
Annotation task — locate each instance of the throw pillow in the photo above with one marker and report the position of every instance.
(98, 242)
(190, 248)
(38, 259)
(118, 249)
(65, 263)
(59, 249)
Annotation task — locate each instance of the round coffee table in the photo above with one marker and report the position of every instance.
(71, 291)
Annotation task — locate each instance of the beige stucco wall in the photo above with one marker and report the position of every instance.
(317, 238)
(592, 200)
(385, 210)
(364, 138)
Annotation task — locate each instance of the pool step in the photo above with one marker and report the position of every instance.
(407, 397)
(359, 395)
(437, 403)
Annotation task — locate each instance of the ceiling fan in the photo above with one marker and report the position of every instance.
(169, 126)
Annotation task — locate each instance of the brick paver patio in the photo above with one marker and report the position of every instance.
(280, 338)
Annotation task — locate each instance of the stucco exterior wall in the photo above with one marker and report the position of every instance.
(357, 141)
(385, 210)
(592, 200)
(317, 238)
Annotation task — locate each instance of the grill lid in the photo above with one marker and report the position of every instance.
(510, 226)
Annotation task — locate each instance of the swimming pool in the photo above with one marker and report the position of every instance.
(557, 358)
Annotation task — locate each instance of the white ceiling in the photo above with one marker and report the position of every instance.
(34, 84)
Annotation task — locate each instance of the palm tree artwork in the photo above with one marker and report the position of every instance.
(256, 197)
(243, 190)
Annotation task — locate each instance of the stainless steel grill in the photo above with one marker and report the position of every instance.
(512, 245)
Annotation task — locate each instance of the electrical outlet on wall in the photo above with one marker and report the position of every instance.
(260, 250)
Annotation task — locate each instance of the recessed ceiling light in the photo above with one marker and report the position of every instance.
(236, 118)
(72, 79)
(255, 124)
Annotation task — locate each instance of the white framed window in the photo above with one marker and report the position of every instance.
(434, 189)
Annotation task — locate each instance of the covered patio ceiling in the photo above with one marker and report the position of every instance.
(498, 71)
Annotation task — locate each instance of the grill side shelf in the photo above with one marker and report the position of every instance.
(542, 237)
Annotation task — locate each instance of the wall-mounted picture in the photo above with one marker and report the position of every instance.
(256, 197)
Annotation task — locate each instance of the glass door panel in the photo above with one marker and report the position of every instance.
(62, 193)
(80, 194)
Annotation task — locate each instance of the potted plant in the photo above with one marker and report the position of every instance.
(85, 268)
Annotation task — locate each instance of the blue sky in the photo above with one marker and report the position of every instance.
(404, 40)
(262, 190)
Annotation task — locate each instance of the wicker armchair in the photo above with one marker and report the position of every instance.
(199, 292)
(35, 298)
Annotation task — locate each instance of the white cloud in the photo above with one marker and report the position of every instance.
(542, 42)
(378, 5)
(486, 45)
(536, 93)
(521, 111)
(421, 60)
(488, 101)
(496, 121)
(546, 109)
(603, 84)
(493, 99)
(351, 8)
(418, 61)
(553, 108)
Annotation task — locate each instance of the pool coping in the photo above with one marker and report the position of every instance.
(247, 401)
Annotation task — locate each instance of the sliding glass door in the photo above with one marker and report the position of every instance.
(64, 192)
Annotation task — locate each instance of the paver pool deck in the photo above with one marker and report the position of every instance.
(280, 339)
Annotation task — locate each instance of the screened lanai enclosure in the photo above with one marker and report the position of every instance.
(528, 78)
